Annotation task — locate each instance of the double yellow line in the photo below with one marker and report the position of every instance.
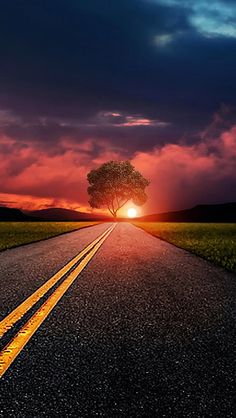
(78, 263)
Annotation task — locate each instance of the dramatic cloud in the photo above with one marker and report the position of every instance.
(181, 174)
(215, 18)
(48, 178)
(185, 175)
(141, 57)
(86, 81)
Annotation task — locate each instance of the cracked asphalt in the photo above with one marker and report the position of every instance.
(147, 330)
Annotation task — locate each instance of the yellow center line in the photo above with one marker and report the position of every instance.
(8, 322)
(14, 347)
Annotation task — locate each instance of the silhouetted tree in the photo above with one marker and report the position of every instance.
(113, 184)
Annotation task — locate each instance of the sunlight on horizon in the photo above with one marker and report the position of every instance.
(132, 212)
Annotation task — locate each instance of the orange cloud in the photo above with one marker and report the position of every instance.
(181, 175)
(33, 179)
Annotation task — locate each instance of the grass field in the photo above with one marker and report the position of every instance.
(215, 242)
(13, 234)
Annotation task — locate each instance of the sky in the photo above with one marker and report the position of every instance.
(84, 82)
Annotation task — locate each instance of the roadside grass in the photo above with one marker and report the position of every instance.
(13, 234)
(212, 241)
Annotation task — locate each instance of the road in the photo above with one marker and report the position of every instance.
(146, 330)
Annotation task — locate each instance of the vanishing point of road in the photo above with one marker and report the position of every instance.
(109, 321)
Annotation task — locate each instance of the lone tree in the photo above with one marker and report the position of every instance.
(113, 184)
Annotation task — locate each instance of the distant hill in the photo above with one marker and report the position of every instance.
(52, 214)
(9, 214)
(201, 213)
(225, 212)
(60, 214)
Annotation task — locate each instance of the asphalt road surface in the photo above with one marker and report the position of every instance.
(146, 330)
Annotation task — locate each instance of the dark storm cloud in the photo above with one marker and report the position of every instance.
(52, 136)
(49, 136)
(83, 54)
(69, 59)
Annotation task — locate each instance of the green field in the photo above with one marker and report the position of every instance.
(215, 242)
(13, 234)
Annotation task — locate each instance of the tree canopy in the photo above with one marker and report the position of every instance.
(114, 183)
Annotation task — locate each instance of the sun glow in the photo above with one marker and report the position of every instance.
(132, 212)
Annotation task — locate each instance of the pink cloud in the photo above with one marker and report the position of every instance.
(140, 121)
(132, 121)
(118, 119)
(41, 179)
(181, 175)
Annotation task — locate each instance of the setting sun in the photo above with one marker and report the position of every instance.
(132, 212)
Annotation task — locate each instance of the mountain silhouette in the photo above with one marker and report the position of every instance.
(60, 214)
(11, 214)
(225, 212)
